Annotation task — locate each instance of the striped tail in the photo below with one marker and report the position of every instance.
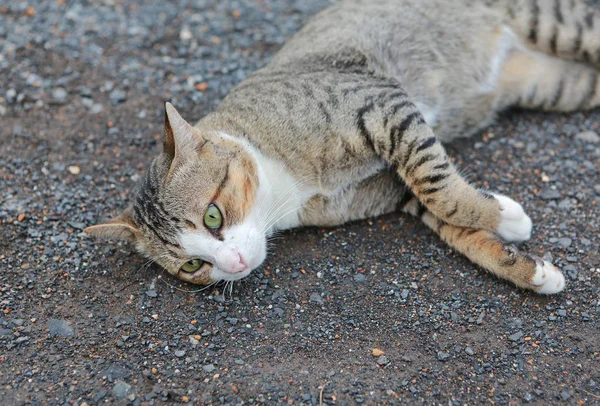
(568, 29)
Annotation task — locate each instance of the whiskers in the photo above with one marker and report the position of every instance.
(272, 214)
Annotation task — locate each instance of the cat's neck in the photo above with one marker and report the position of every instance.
(280, 195)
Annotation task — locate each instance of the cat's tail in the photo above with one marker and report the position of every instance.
(568, 29)
(488, 251)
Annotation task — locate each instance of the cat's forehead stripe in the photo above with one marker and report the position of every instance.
(150, 210)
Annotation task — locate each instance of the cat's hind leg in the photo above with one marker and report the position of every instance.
(534, 80)
(486, 250)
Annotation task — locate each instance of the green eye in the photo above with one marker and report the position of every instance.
(213, 218)
(192, 265)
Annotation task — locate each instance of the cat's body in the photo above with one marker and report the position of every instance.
(345, 122)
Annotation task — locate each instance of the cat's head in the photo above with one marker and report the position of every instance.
(195, 212)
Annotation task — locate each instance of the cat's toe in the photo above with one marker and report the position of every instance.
(514, 225)
(547, 279)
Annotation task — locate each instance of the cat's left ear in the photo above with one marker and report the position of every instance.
(121, 227)
(179, 134)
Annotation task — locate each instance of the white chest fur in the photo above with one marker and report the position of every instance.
(280, 196)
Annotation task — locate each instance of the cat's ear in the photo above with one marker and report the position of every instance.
(179, 134)
(121, 227)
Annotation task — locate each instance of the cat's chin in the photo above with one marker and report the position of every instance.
(218, 275)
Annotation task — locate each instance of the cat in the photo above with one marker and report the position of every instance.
(347, 122)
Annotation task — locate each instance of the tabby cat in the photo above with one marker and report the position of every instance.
(346, 122)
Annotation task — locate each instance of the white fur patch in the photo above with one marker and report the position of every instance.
(514, 225)
(548, 278)
(280, 196)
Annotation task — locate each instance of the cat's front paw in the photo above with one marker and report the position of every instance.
(514, 225)
(547, 279)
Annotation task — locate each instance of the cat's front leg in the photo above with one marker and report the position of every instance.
(487, 251)
(396, 131)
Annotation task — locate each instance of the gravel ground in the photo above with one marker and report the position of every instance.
(82, 86)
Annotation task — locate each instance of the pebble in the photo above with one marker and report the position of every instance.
(74, 169)
(516, 336)
(469, 351)
(442, 356)
(565, 242)
(121, 389)
(571, 271)
(589, 136)
(359, 278)
(383, 360)
(376, 352)
(315, 297)
(549, 194)
(59, 328)
(179, 353)
(208, 368)
(117, 96)
(11, 95)
(96, 108)
(59, 94)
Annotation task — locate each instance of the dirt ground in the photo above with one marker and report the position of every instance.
(82, 87)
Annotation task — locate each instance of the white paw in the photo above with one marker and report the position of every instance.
(514, 225)
(547, 279)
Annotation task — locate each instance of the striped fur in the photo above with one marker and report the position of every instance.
(355, 109)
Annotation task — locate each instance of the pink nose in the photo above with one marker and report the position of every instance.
(241, 266)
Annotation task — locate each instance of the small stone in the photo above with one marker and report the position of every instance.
(239, 361)
(565, 242)
(96, 108)
(562, 313)
(549, 194)
(11, 95)
(185, 34)
(565, 395)
(3, 110)
(59, 328)
(121, 389)
(516, 336)
(59, 94)
(571, 271)
(76, 225)
(208, 368)
(315, 297)
(376, 352)
(528, 397)
(201, 86)
(469, 351)
(588, 136)
(359, 278)
(383, 360)
(151, 293)
(442, 356)
(117, 96)
(179, 353)
(21, 217)
(74, 169)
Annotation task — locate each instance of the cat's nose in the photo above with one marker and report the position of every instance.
(241, 266)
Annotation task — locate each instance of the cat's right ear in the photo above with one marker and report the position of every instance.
(121, 227)
(179, 134)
